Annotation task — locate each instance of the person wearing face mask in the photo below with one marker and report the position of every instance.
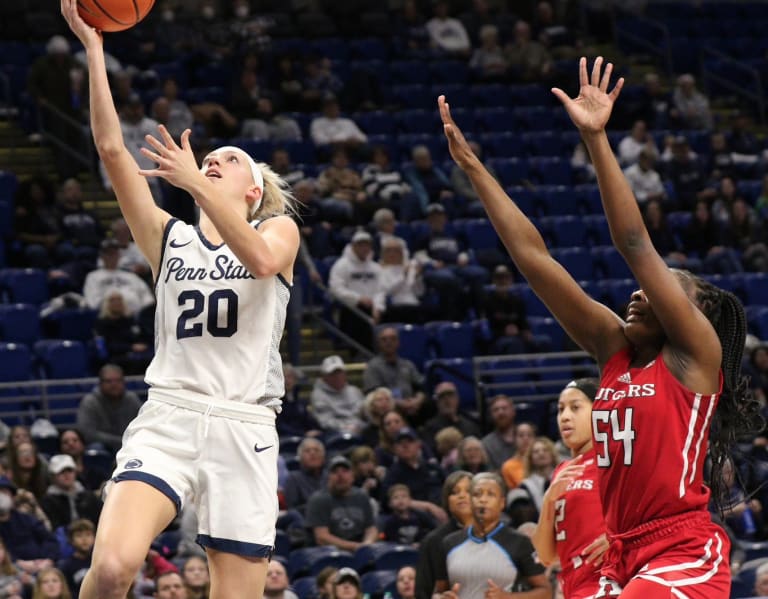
(29, 542)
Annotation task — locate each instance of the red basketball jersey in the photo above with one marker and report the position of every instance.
(650, 435)
(578, 522)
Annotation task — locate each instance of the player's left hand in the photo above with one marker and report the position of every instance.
(176, 164)
(494, 591)
(591, 109)
(460, 151)
(594, 552)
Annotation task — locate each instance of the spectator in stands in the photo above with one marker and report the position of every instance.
(719, 160)
(14, 583)
(638, 140)
(266, 124)
(58, 79)
(378, 402)
(499, 444)
(281, 163)
(581, 164)
(744, 515)
(428, 181)
(506, 314)
(384, 224)
(19, 434)
(529, 60)
(644, 180)
(423, 478)
(653, 104)
(332, 129)
(745, 232)
(722, 199)
(685, 172)
(703, 237)
(405, 583)
(170, 585)
(347, 585)
(391, 423)
(690, 106)
(472, 456)
(320, 84)
(51, 584)
(125, 343)
(761, 581)
(105, 412)
(342, 189)
(447, 34)
(758, 370)
(36, 223)
(131, 258)
(196, 577)
(171, 111)
(341, 515)
(28, 469)
(368, 474)
(286, 81)
(100, 281)
(459, 180)
(404, 524)
(72, 443)
(446, 397)
(548, 29)
(31, 545)
(385, 183)
(456, 502)
(741, 138)
(80, 228)
(446, 442)
(296, 417)
(336, 404)
(513, 470)
(277, 583)
(388, 369)
(324, 582)
(66, 499)
(355, 279)
(302, 483)
(525, 501)
(410, 31)
(489, 62)
(81, 534)
(402, 283)
(663, 238)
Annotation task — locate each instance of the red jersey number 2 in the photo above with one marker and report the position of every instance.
(611, 426)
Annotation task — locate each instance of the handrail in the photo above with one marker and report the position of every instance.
(662, 51)
(752, 73)
(55, 115)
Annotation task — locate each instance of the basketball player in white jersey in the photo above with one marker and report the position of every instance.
(206, 435)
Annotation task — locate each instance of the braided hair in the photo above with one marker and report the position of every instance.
(738, 412)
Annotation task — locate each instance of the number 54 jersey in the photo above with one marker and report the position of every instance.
(650, 436)
(217, 328)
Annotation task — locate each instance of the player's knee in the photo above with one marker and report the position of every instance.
(113, 573)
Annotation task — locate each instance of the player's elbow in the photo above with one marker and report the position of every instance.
(109, 149)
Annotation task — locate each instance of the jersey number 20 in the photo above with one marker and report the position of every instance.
(226, 298)
(616, 432)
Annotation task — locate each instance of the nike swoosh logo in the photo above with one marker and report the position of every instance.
(258, 449)
(175, 244)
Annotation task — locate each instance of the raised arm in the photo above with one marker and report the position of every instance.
(590, 324)
(143, 216)
(696, 350)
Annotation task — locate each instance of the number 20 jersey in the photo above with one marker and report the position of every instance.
(217, 328)
(650, 436)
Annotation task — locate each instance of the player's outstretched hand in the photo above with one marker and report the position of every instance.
(461, 153)
(84, 32)
(591, 109)
(176, 164)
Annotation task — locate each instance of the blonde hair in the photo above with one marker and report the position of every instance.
(38, 592)
(277, 196)
(447, 439)
(104, 311)
(371, 397)
(550, 445)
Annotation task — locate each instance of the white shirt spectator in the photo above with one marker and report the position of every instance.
(324, 130)
(645, 184)
(99, 283)
(448, 34)
(352, 278)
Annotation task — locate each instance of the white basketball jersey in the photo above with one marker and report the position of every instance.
(217, 328)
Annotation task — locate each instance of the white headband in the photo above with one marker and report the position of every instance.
(258, 178)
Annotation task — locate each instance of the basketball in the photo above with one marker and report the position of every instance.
(113, 15)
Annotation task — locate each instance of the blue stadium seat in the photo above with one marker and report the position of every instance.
(301, 562)
(341, 442)
(15, 362)
(456, 94)
(414, 343)
(533, 305)
(536, 118)
(544, 143)
(558, 200)
(282, 543)
(489, 94)
(290, 445)
(338, 559)
(529, 94)
(533, 411)
(452, 339)
(6, 223)
(755, 287)
(403, 72)
(598, 232)
(435, 142)
(550, 170)
(501, 145)
(510, 171)
(214, 74)
(375, 583)
(415, 95)
(576, 260)
(480, 234)
(396, 557)
(368, 49)
(418, 121)
(495, 119)
(376, 122)
(62, 359)
(758, 321)
(615, 293)
(71, 323)
(566, 231)
(610, 263)
(543, 325)
(25, 285)
(305, 587)
(453, 72)
(330, 47)
(19, 323)
(526, 199)
(8, 185)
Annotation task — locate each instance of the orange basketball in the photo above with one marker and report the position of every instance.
(113, 15)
